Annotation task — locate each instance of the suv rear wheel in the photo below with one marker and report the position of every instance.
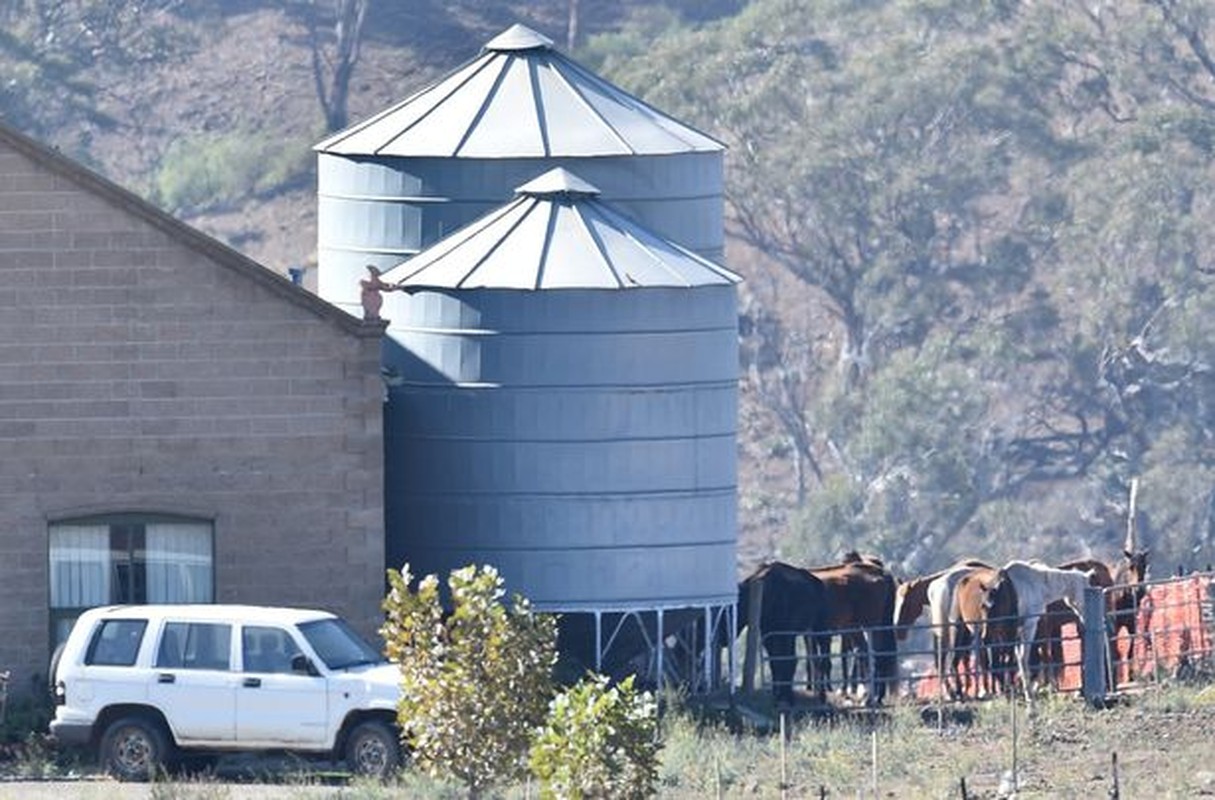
(373, 750)
(134, 748)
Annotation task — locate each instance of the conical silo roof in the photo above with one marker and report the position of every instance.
(519, 98)
(557, 234)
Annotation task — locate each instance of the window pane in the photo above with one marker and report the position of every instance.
(207, 645)
(116, 643)
(80, 565)
(179, 564)
(267, 649)
(338, 645)
(171, 653)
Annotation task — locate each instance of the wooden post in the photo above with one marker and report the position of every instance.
(755, 604)
(784, 769)
(1132, 511)
(873, 758)
(1093, 644)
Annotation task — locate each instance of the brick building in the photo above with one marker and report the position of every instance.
(177, 422)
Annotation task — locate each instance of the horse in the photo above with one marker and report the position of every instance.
(1046, 656)
(795, 603)
(1036, 585)
(934, 591)
(981, 630)
(861, 594)
(1123, 600)
(1124, 582)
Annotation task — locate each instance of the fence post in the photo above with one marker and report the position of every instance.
(1092, 671)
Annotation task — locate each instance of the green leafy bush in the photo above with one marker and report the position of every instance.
(476, 681)
(207, 170)
(599, 741)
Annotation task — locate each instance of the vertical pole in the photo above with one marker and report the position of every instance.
(755, 602)
(662, 645)
(1012, 704)
(1093, 644)
(598, 641)
(731, 661)
(710, 646)
(873, 758)
(784, 769)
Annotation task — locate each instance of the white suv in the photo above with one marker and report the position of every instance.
(144, 684)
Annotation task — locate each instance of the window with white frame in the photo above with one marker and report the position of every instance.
(128, 558)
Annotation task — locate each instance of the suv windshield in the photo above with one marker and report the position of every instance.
(338, 645)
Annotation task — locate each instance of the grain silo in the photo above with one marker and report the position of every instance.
(563, 405)
(395, 183)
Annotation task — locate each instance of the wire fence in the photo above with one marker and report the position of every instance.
(1171, 635)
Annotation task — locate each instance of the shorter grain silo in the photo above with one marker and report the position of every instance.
(392, 185)
(563, 405)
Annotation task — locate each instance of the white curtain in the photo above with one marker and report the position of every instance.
(80, 565)
(179, 562)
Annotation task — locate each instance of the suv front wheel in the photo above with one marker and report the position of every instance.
(134, 748)
(373, 750)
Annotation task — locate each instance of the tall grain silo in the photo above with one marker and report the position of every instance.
(396, 183)
(563, 405)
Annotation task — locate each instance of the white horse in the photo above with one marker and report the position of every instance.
(1037, 585)
(941, 613)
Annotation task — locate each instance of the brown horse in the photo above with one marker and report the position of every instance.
(1124, 582)
(982, 632)
(934, 591)
(860, 595)
(794, 604)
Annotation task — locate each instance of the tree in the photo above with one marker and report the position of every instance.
(334, 60)
(995, 204)
(475, 682)
(50, 49)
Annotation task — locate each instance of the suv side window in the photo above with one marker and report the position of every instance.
(194, 645)
(267, 649)
(116, 643)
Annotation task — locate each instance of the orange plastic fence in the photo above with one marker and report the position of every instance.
(1174, 629)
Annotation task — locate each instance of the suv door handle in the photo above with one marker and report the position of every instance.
(252, 683)
(166, 677)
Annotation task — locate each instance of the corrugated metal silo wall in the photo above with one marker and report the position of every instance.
(381, 211)
(582, 441)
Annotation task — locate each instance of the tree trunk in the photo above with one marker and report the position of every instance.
(571, 31)
(332, 77)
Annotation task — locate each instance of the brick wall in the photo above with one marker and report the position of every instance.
(146, 368)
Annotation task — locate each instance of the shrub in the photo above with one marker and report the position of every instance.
(207, 170)
(475, 682)
(599, 741)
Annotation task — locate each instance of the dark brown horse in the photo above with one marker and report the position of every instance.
(860, 596)
(1125, 585)
(794, 603)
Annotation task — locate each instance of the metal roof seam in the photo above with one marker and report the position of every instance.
(452, 242)
(541, 117)
(525, 212)
(599, 245)
(591, 106)
(485, 103)
(353, 130)
(545, 250)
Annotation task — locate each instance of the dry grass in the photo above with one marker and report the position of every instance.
(1161, 741)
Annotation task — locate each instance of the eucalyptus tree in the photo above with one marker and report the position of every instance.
(50, 49)
(1134, 266)
(877, 160)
